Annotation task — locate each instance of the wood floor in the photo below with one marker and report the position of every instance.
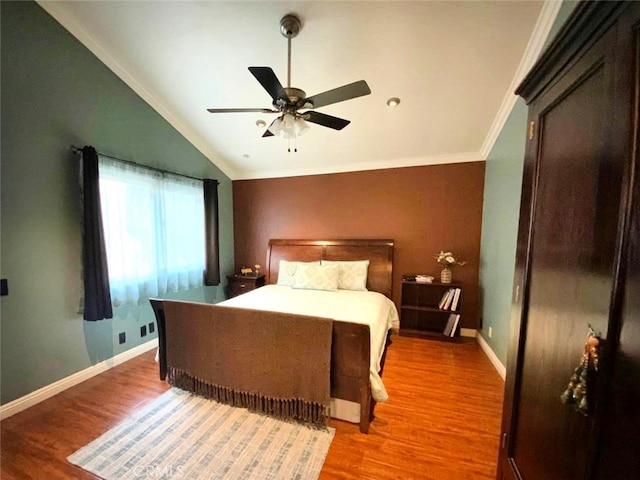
(442, 420)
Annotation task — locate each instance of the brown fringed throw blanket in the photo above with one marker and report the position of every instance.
(269, 362)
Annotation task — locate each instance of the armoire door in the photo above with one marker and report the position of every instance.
(576, 174)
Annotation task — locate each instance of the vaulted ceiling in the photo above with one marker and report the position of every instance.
(453, 64)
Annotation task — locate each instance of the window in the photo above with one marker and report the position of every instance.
(154, 226)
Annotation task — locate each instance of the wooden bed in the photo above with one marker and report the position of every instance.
(350, 347)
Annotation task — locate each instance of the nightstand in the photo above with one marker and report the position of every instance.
(239, 284)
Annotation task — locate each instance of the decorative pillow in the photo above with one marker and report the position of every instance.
(352, 275)
(316, 277)
(287, 270)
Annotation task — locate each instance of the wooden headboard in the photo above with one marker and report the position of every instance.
(378, 252)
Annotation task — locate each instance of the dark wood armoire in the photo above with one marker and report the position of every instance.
(578, 256)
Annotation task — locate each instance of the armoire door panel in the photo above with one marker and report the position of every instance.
(616, 450)
(578, 255)
(572, 251)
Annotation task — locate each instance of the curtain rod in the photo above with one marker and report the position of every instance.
(130, 162)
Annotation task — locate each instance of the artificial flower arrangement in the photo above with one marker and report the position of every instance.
(447, 259)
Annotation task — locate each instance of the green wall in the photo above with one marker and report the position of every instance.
(56, 93)
(500, 214)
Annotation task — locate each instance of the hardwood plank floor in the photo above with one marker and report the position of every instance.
(442, 420)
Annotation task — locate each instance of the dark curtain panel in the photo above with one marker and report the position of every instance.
(97, 298)
(212, 272)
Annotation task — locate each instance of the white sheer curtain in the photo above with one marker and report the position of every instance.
(154, 231)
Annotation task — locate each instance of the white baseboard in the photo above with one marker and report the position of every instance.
(468, 332)
(49, 391)
(502, 371)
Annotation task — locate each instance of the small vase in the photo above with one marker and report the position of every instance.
(445, 275)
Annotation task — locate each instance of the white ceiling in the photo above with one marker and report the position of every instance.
(454, 65)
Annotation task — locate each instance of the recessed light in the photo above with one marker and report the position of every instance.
(261, 123)
(393, 102)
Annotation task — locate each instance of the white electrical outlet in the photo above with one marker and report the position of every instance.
(490, 332)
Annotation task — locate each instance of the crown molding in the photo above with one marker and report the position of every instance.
(57, 11)
(363, 166)
(534, 48)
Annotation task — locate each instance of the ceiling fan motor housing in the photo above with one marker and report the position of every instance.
(296, 96)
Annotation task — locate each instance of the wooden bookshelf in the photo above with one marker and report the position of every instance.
(421, 314)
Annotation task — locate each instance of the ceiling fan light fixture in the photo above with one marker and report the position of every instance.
(301, 126)
(289, 126)
(393, 102)
(276, 126)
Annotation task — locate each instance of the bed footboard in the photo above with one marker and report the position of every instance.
(350, 358)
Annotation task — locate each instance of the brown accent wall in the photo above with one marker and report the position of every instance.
(423, 209)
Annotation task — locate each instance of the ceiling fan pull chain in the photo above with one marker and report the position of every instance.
(295, 144)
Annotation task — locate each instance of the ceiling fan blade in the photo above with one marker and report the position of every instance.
(268, 132)
(269, 82)
(241, 110)
(326, 120)
(340, 94)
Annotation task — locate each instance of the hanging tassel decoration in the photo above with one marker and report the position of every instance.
(576, 392)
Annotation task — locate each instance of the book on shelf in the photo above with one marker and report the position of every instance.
(449, 326)
(443, 299)
(455, 325)
(452, 324)
(456, 299)
(424, 279)
(449, 299)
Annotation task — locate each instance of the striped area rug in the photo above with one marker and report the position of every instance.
(179, 435)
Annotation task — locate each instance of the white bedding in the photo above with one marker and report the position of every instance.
(370, 308)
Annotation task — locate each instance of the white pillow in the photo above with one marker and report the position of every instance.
(287, 270)
(352, 275)
(316, 277)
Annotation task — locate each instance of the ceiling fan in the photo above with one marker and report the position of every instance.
(288, 101)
